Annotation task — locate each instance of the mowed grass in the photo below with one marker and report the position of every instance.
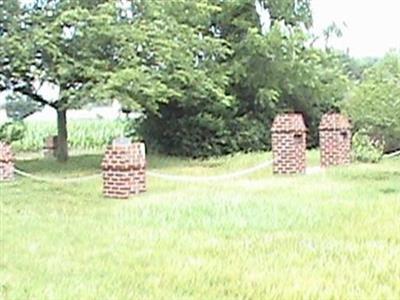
(330, 235)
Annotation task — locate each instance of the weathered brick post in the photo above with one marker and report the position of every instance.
(335, 140)
(289, 144)
(50, 146)
(6, 162)
(124, 169)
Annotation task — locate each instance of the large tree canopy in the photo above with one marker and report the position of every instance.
(273, 67)
(208, 75)
(63, 44)
(139, 52)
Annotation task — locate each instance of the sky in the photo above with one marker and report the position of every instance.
(372, 27)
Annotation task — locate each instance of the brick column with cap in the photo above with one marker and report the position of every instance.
(289, 144)
(6, 162)
(124, 169)
(335, 140)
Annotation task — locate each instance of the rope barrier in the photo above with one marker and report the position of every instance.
(54, 180)
(155, 174)
(393, 154)
(314, 170)
(174, 177)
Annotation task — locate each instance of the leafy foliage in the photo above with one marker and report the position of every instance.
(374, 104)
(365, 148)
(19, 107)
(68, 45)
(269, 72)
(131, 128)
(208, 76)
(355, 67)
(142, 54)
(12, 131)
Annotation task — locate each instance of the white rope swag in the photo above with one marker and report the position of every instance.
(180, 178)
(220, 177)
(393, 154)
(171, 177)
(56, 180)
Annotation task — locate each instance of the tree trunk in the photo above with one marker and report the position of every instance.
(62, 136)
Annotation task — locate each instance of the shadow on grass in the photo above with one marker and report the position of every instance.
(91, 163)
(376, 175)
(389, 191)
(85, 164)
(81, 164)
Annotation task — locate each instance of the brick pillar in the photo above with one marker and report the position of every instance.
(124, 169)
(50, 146)
(6, 162)
(334, 140)
(289, 144)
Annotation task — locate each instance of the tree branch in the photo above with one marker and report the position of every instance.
(35, 97)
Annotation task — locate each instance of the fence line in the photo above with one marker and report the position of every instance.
(393, 154)
(55, 180)
(170, 177)
(180, 178)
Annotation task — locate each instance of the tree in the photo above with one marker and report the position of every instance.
(9, 10)
(355, 67)
(208, 75)
(182, 63)
(18, 107)
(59, 44)
(12, 131)
(141, 53)
(374, 103)
(279, 69)
(273, 68)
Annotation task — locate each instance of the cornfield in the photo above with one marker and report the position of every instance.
(82, 134)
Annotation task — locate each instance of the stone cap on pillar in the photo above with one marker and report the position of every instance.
(6, 154)
(121, 141)
(334, 121)
(290, 122)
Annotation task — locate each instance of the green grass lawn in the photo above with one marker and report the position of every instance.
(331, 235)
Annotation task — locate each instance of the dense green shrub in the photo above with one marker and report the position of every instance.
(365, 148)
(374, 104)
(12, 131)
(131, 127)
(203, 134)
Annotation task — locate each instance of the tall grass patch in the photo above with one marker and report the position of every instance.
(82, 134)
